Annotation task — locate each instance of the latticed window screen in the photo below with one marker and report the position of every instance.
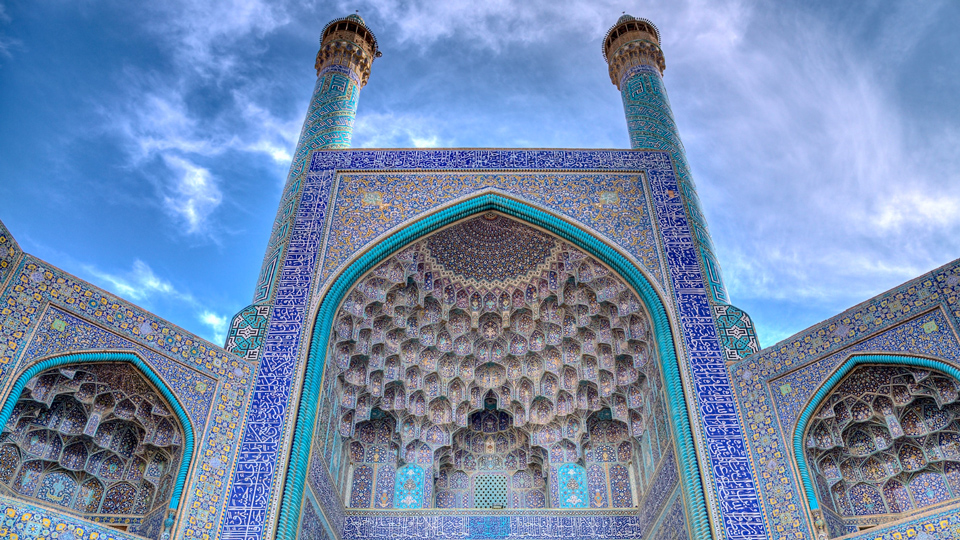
(490, 490)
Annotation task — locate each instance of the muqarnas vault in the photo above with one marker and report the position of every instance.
(479, 344)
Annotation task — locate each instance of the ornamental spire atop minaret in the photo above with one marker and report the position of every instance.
(630, 43)
(349, 43)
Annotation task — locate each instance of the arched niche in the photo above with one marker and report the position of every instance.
(96, 434)
(881, 438)
(327, 322)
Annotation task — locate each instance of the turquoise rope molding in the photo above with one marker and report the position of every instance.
(850, 363)
(99, 358)
(306, 414)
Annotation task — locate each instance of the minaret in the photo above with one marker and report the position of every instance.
(632, 51)
(347, 51)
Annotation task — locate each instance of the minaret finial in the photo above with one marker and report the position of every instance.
(348, 42)
(632, 42)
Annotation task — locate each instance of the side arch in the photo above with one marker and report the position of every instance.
(306, 414)
(846, 367)
(11, 398)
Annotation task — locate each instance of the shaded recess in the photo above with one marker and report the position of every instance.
(885, 441)
(93, 439)
(491, 323)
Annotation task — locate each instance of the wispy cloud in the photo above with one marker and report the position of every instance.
(495, 24)
(7, 43)
(195, 195)
(820, 187)
(395, 130)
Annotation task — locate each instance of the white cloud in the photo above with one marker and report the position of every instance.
(202, 33)
(139, 284)
(217, 323)
(390, 130)
(195, 195)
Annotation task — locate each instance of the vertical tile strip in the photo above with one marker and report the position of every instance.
(249, 503)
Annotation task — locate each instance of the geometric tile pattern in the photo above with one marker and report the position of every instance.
(104, 442)
(368, 205)
(245, 335)
(671, 216)
(773, 386)
(736, 330)
(543, 526)
(886, 440)
(46, 311)
(22, 520)
(9, 253)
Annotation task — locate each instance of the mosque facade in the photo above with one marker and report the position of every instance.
(460, 344)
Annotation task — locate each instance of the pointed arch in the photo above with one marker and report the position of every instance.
(107, 357)
(483, 202)
(848, 365)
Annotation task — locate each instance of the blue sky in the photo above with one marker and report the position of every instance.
(143, 146)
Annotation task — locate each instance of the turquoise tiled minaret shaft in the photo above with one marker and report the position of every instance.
(632, 50)
(347, 51)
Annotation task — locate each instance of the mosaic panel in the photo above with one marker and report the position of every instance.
(246, 332)
(513, 527)
(889, 320)
(651, 126)
(737, 334)
(369, 205)
(260, 446)
(929, 334)
(656, 497)
(322, 487)
(881, 429)
(572, 486)
(311, 524)
(60, 332)
(673, 525)
(740, 507)
(200, 374)
(10, 253)
(23, 520)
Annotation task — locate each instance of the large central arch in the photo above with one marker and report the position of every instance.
(484, 202)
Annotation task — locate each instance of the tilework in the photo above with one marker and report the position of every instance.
(930, 334)
(10, 253)
(572, 486)
(261, 444)
(311, 524)
(322, 487)
(506, 527)
(721, 432)
(200, 373)
(369, 205)
(741, 508)
(85, 425)
(737, 334)
(409, 487)
(673, 525)
(25, 521)
(247, 328)
(651, 125)
(771, 386)
(656, 496)
(864, 440)
(60, 332)
(941, 525)
(524, 347)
